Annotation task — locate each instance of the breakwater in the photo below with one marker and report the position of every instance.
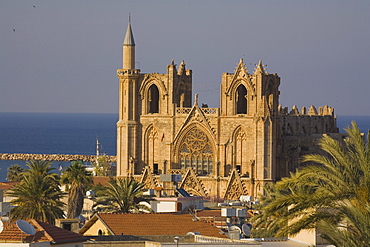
(55, 157)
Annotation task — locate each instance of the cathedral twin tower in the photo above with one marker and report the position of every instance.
(223, 152)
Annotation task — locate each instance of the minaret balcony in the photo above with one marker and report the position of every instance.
(121, 72)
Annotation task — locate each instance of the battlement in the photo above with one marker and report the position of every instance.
(312, 111)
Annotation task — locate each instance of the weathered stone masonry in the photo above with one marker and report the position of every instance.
(221, 152)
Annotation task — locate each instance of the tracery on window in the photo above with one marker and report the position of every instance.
(196, 152)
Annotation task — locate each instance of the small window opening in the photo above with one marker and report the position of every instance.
(67, 226)
(153, 99)
(155, 169)
(239, 168)
(241, 98)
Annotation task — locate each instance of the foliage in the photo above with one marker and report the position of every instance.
(99, 190)
(102, 167)
(124, 196)
(38, 194)
(14, 173)
(78, 178)
(332, 194)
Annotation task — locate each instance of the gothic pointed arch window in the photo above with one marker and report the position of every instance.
(240, 155)
(153, 99)
(241, 100)
(152, 147)
(196, 152)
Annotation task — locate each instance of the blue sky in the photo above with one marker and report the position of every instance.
(63, 55)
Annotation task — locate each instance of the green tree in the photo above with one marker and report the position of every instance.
(102, 167)
(38, 194)
(14, 173)
(332, 194)
(124, 196)
(77, 177)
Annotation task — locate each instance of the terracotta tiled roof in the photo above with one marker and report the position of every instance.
(209, 213)
(44, 233)
(11, 233)
(155, 224)
(7, 185)
(59, 235)
(101, 180)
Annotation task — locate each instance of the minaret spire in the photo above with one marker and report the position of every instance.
(129, 48)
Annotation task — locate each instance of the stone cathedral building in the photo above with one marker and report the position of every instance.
(221, 152)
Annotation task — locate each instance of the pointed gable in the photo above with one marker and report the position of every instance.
(235, 187)
(260, 68)
(196, 115)
(192, 183)
(240, 76)
(148, 178)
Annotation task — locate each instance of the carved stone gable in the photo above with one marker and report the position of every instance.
(260, 68)
(148, 178)
(241, 76)
(235, 187)
(196, 116)
(192, 183)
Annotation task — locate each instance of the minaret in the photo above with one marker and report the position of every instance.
(129, 48)
(128, 123)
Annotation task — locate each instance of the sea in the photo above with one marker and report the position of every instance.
(55, 133)
(77, 133)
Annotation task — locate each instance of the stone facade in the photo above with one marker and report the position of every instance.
(221, 152)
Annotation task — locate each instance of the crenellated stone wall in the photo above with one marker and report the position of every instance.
(54, 157)
(312, 111)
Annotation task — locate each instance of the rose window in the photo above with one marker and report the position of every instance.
(196, 152)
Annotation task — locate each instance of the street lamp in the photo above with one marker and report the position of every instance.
(177, 240)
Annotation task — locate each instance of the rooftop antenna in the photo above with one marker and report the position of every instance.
(129, 17)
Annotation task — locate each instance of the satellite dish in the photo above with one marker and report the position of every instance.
(246, 229)
(1, 226)
(25, 227)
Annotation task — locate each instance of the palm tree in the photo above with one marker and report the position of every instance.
(332, 194)
(124, 196)
(14, 173)
(38, 194)
(78, 178)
